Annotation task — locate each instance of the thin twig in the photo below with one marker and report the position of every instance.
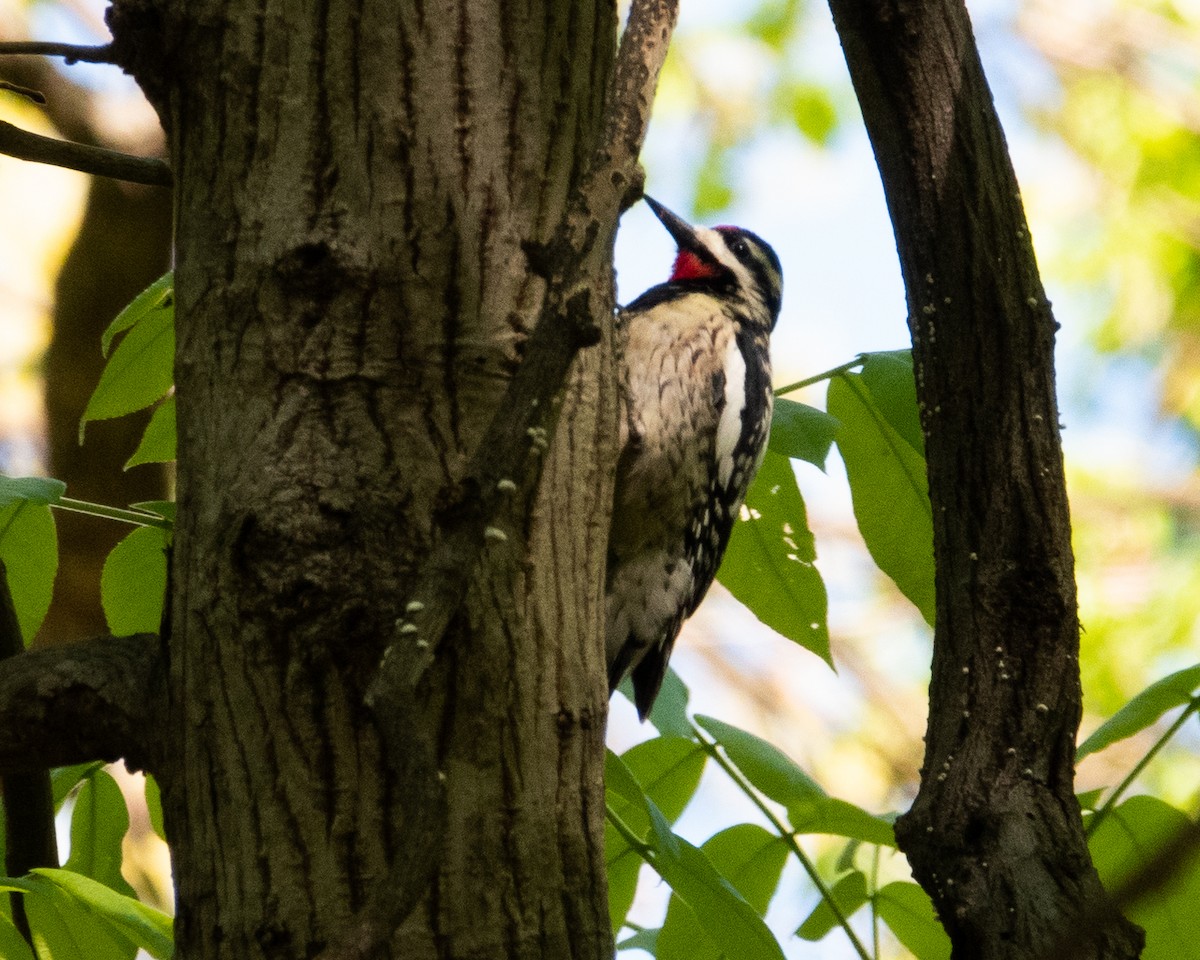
(788, 836)
(71, 52)
(24, 145)
(824, 375)
(1114, 798)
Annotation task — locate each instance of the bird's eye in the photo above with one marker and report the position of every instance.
(740, 248)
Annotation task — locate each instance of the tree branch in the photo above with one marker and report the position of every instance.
(72, 53)
(28, 801)
(95, 700)
(995, 834)
(507, 462)
(98, 161)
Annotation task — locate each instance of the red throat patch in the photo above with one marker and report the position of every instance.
(688, 266)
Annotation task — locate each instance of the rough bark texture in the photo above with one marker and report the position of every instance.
(355, 182)
(995, 833)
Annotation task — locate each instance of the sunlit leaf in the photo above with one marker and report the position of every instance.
(1143, 710)
(65, 928)
(881, 444)
(138, 372)
(160, 295)
(12, 944)
(801, 432)
(810, 809)
(751, 859)
(769, 564)
(909, 913)
(849, 893)
(124, 917)
(98, 826)
(1130, 837)
(154, 807)
(733, 924)
(811, 109)
(41, 490)
(29, 550)
(65, 779)
(134, 581)
(158, 441)
(669, 714)
(668, 770)
(714, 192)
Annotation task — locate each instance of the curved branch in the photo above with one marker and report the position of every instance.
(95, 700)
(98, 161)
(995, 834)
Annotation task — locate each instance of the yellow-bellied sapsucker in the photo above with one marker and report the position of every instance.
(696, 409)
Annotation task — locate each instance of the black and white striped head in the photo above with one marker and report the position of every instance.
(735, 261)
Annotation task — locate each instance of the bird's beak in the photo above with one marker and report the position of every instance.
(683, 232)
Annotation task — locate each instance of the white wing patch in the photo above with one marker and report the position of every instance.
(729, 428)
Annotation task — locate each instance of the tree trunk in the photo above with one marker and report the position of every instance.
(995, 835)
(356, 184)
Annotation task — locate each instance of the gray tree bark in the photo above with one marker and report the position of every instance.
(357, 187)
(995, 834)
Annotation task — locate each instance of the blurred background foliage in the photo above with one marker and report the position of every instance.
(756, 124)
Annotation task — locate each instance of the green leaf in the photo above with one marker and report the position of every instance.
(669, 713)
(626, 799)
(880, 442)
(1143, 710)
(160, 508)
(751, 859)
(812, 111)
(722, 912)
(888, 375)
(160, 295)
(1130, 837)
(642, 940)
(98, 826)
(65, 779)
(713, 191)
(768, 565)
(668, 771)
(29, 550)
(763, 764)
(154, 807)
(134, 582)
(139, 371)
(810, 809)
(849, 893)
(1089, 799)
(908, 911)
(158, 440)
(42, 490)
(64, 928)
(12, 944)
(124, 917)
(801, 432)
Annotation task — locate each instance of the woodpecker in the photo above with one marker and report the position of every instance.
(696, 406)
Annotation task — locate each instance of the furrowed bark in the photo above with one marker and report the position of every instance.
(94, 700)
(358, 185)
(995, 835)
